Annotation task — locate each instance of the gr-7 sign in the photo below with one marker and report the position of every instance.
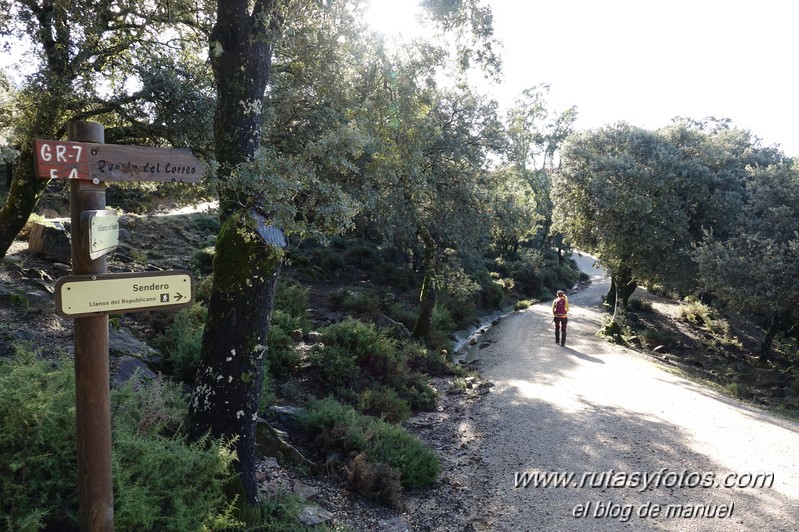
(114, 162)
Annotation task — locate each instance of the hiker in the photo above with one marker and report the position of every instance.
(560, 309)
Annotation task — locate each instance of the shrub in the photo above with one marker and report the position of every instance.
(403, 313)
(374, 352)
(293, 300)
(182, 340)
(282, 354)
(441, 328)
(414, 389)
(651, 338)
(379, 482)
(336, 369)
(161, 482)
(355, 356)
(38, 460)
(361, 302)
(340, 428)
(697, 313)
(203, 259)
(640, 305)
(424, 360)
(384, 403)
(523, 304)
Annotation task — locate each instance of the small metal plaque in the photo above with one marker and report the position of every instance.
(103, 231)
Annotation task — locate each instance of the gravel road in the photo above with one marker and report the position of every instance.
(648, 450)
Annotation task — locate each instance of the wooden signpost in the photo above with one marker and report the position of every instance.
(91, 292)
(109, 162)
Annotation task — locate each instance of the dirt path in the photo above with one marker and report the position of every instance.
(592, 408)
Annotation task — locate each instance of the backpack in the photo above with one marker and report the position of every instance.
(560, 307)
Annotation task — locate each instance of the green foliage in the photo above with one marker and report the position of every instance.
(642, 200)
(293, 300)
(340, 428)
(204, 259)
(38, 470)
(161, 481)
(535, 274)
(651, 338)
(523, 304)
(384, 403)
(375, 353)
(277, 513)
(282, 356)
(16, 297)
(739, 390)
(151, 473)
(403, 313)
(204, 223)
(640, 304)
(441, 328)
(355, 356)
(361, 301)
(756, 269)
(426, 361)
(182, 340)
(697, 313)
(153, 459)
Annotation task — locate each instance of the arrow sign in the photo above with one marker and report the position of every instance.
(115, 162)
(78, 296)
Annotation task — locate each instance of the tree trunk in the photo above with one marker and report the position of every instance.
(24, 194)
(623, 286)
(225, 400)
(228, 386)
(610, 297)
(427, 301)
(775, 324)
(427, 297)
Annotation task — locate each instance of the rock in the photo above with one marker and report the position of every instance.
(122, 343)
(36, 273)
(324, 317)
(396, 524)
(50, 241)
(483, 345)
(286, 415)
(303, 490)
(296, 335)
(313, 515)
(270, 441)
(13, 296)
(39, 293)
(129, 369)
(314, 337)
(395, 329)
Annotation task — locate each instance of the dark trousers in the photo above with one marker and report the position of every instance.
(560, 330)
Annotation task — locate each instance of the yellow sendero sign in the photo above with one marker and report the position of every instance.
(87, 295)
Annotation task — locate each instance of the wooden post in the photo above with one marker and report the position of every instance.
(92, 379)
